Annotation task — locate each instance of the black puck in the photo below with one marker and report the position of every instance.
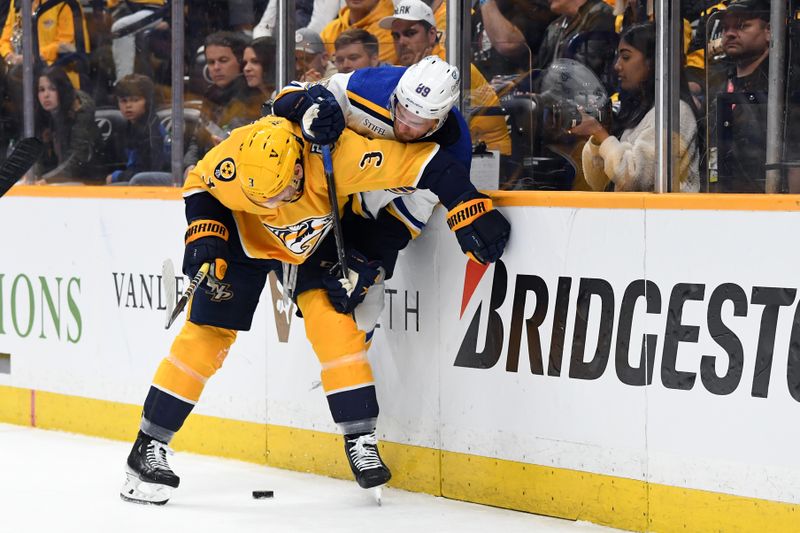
(262, 494)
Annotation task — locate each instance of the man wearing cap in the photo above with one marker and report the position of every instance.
(738, 114)
(363, 14)
(414, 33)
(311, 59)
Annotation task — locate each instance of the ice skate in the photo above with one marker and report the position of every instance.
(149, 479)
(362, 453)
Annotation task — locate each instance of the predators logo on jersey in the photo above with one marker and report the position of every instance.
(304, 237)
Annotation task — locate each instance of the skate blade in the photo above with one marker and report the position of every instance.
(137, 491)
(377, 493)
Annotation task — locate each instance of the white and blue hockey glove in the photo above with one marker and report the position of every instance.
(481, 230)
(323, 121)
(346, 293)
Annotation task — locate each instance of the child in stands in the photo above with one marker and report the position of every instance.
(147, 148)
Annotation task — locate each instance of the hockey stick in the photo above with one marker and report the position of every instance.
(21, 159)
(187, 294)
(327, 164)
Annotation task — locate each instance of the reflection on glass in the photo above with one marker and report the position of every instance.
(525, 136)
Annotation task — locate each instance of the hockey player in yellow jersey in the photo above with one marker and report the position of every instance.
(291, 234)
(260, 198)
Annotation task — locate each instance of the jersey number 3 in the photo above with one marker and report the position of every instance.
(367, 158)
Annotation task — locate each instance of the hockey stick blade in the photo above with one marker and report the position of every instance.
(187, 294)
(170, 288)
(21, 159)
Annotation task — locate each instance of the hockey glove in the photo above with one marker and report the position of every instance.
(323, 121)
(206, 242)
(346, 293)
(482, 231)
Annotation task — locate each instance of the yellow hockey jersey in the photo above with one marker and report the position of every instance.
(291, 232)
(56, 28)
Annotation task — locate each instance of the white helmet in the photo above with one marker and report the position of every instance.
(429, 89)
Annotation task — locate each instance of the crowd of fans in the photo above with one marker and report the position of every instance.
(102, 94)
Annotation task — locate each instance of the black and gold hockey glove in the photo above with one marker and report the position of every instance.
(481, 230)
(206, 242)
(346, 293)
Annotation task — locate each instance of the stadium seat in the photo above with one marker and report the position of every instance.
(191, 116)
(111, 152)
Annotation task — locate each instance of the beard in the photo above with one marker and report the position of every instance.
(742, 54)
(408, 57)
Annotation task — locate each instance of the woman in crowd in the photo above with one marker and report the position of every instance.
(259, 65)
(624, 159)
(65, 122)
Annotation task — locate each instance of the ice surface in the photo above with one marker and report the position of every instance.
(52, 481)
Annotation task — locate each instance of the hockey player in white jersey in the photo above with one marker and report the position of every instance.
(407, 104)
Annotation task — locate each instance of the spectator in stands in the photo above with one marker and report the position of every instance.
(630, 12)
(507, 35)
(738, 112)
(56, 31)
(311, 59)
(415, 36)
(148, 153)
(259, 65)
(229, 102)
(65, 123)
(311, 14)
(580, 17)
(144, 14)
(364, 14)
(413, 31)
(355, 49)
(624, 160)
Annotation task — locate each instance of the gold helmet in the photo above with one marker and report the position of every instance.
(267, 158)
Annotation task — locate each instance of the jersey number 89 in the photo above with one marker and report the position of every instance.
(421, 89)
